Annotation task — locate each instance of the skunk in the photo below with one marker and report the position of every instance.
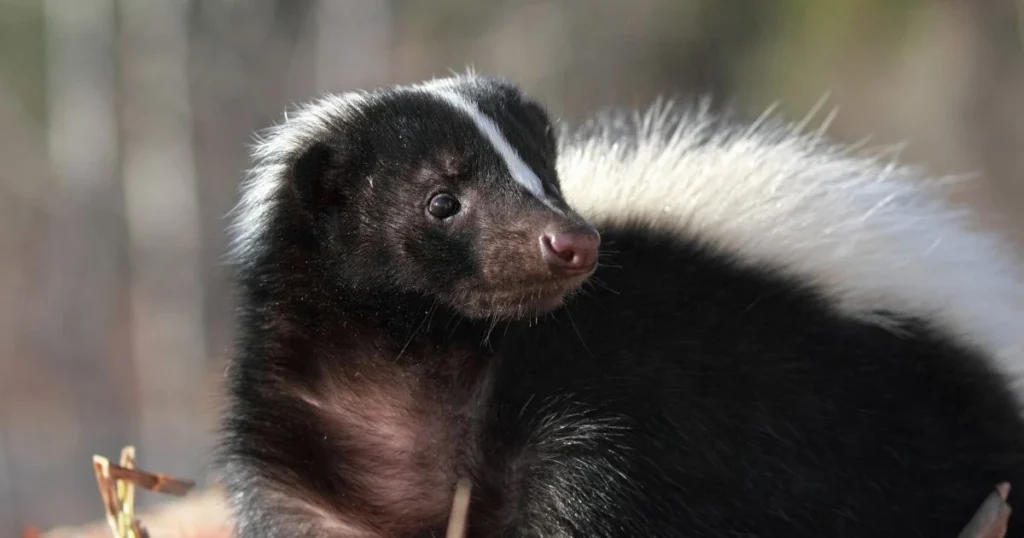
(656, 324)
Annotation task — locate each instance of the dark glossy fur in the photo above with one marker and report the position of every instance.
(683, 392)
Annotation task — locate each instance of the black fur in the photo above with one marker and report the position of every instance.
(682, 393)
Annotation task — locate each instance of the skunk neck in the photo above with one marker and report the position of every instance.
(297, 303)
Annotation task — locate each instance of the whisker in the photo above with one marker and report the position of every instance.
(413, 336)
(458, 320)
(430, 313)
(578, 333)
(602, 284)
(493, 320)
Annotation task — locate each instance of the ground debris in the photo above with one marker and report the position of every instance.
(205, 515)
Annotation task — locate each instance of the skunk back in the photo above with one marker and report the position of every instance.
(877, 238)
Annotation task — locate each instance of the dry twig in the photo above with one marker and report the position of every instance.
(991, 520)
(460, 510)
(117, 488)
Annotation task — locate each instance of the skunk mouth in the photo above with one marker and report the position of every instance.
(520, 301)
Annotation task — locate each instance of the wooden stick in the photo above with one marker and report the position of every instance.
(460, 510)
(152, 481)
(992, 519)
(101, 466)
(117, 488)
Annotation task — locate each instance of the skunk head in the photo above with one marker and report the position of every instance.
(446, 190)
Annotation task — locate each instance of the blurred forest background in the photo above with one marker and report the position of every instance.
(124, 127)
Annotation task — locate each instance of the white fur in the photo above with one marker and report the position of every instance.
(870, 234)
(519, 170)
(270, 154)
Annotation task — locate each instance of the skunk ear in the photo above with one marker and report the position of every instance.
(539, 123)
(311, 175)
(321, 172)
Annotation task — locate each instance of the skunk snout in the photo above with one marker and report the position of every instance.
(570, 252)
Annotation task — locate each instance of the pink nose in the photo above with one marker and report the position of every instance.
(570, 252)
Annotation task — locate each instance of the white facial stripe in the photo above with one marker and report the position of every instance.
(519, 170)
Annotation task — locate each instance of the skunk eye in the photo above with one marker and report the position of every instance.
(443, 206)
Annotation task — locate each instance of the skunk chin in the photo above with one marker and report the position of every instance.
(511, 303)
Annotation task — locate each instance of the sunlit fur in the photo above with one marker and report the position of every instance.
(271, 155)
(875, 236)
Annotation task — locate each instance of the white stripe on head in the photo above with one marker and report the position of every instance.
(517, 168)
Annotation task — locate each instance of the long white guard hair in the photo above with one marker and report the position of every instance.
(868, 233)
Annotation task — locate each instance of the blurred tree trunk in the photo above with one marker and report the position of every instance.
(353, 44)
(161, 205)
(995, 101)
(63, 407)
(247, 60)
(22, 221)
